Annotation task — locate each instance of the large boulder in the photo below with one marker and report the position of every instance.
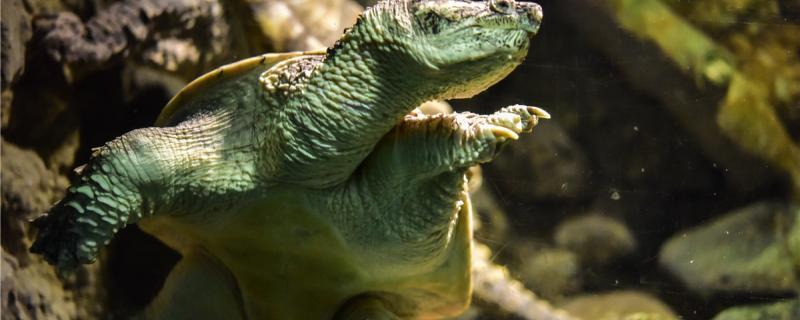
(746, 250)
(596, 238)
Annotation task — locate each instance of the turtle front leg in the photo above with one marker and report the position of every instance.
(110, 192)
(428, 145)
(418, 169)
(139, 174)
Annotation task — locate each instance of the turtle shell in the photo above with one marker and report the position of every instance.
(223, 74)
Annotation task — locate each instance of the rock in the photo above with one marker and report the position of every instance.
(30, 287)
(646, 316)
(5, 107)
(619, 305)
(303, 25)
(33, 293)
(28, 189)
(195, 36)
(46, 7)
(550, 272)
(15, 32)
(744, 250)
(549, 166)
(793, 238)
(785, 310)
(595, 238)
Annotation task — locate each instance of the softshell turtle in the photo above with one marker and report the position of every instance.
(305, 185)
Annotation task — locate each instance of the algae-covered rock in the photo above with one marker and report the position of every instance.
(620, 305)
(550, 272)
(784, 310)
(597, 239)
(745, 250)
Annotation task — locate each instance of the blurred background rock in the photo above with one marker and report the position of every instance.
(667, 183)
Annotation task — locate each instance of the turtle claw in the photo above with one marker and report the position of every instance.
(539, 112)
(502, 126)
(502, 132)
(480, 137)
(529, 115)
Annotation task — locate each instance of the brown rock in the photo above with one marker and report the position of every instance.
(28, 190)
(33, 292)
(15, 32)
(193, 38)
(30, 287)
(303, 25)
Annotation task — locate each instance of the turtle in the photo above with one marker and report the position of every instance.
(306, 185)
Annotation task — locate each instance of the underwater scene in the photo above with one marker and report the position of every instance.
(400, 159)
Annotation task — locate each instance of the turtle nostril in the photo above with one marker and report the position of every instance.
(502, 6)
(533, 11)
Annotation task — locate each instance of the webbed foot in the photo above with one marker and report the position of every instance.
(57, 240)
(72, 232)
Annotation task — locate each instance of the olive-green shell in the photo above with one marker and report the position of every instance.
(222, 74)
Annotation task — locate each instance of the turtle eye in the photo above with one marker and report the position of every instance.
(502, 6)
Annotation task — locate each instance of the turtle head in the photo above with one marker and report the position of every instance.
(466, 45)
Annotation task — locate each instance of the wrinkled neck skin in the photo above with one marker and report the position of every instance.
(362, 89)
(367, 85)
(372, 86)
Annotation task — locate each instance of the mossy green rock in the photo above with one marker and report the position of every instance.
(785, 310)
(597, 239)
(745, 250)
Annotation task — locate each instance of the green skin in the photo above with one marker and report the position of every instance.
(318, 169)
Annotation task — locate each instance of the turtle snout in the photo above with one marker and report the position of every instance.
(531, 15)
